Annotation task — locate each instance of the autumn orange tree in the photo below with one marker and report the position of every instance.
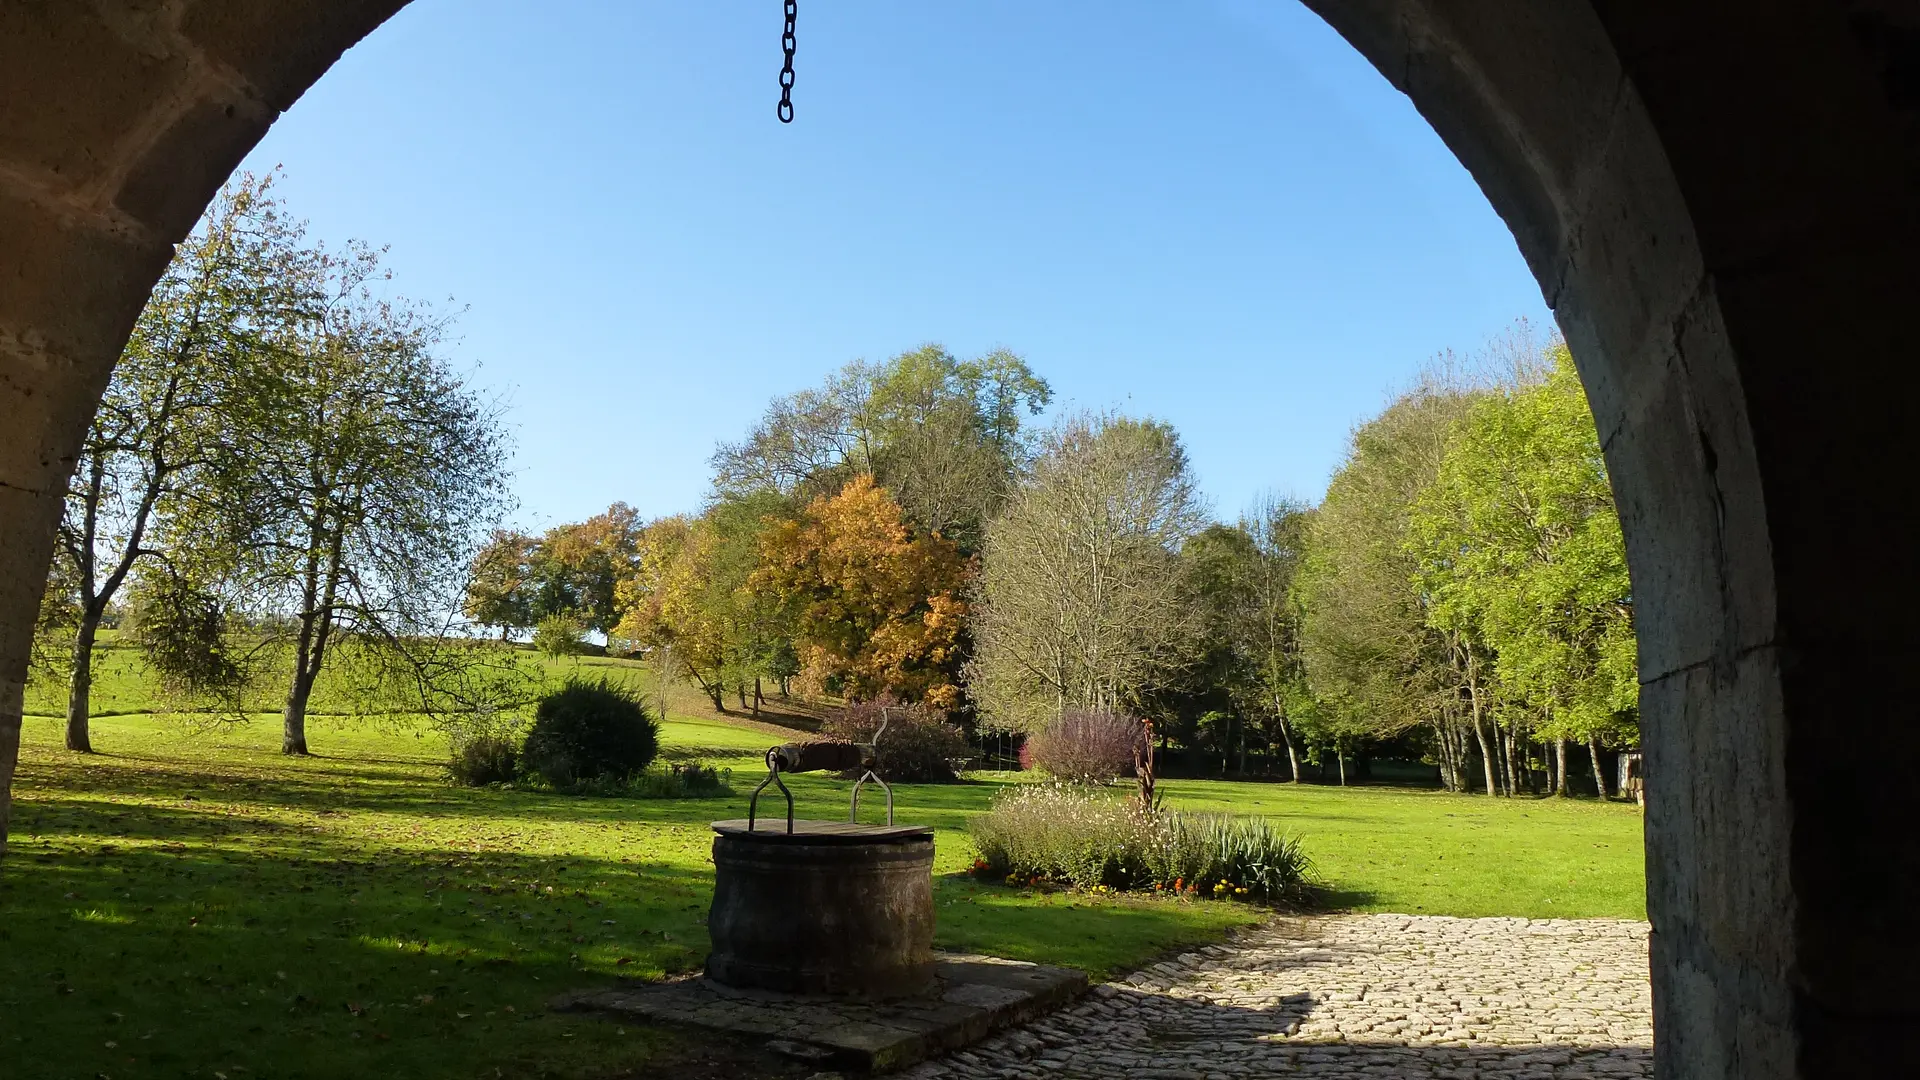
(876, 609)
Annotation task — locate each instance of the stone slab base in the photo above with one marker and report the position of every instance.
(972, 997)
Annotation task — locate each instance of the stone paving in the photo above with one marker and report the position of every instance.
(970, 998)
(1355, 996)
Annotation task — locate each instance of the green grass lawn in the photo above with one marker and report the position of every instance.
(192, 903)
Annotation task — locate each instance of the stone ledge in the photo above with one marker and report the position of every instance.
(972, 997)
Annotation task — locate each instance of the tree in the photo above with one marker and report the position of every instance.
(943, 435)
(668, 603)
(1374, 663)
(348, 495)
(1203, 706)
(691, 599)
(876, 608)
(1080, 602)
(1518, 543)
(229, 286)
(501, 587)
(1243, 578)
(576, 567)
(519, 581)
(559, 635)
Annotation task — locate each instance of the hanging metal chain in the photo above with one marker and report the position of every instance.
(786, 69)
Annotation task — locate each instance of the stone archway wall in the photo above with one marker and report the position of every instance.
(1720, 199)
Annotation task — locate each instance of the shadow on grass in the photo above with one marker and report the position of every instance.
(1328, 899)
(326, 789)
(299, 957)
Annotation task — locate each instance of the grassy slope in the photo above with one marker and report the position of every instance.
(200, 902)
(122, 686)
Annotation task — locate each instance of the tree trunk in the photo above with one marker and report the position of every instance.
(1293, 755)
(1506, 751)
(1449, 756)
(80, 688)
(1342, 759)
(1479, 734)
(758, 697)
(1560, 767)
(294, 718)
(740, 691)
(1486, 754)
(316, 625)
(11, 704)
(1599, 778)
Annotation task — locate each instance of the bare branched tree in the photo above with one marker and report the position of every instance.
(1080, 602)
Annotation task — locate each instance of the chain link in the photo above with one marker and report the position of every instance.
(786, 69)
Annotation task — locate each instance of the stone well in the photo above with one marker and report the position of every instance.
(829, 908)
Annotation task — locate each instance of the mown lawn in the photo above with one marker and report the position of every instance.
(193, 903)
(1431, 853)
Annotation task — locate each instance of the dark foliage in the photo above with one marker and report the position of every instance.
(487, 759)
(918, 745)
(589, 729)
(182, 632)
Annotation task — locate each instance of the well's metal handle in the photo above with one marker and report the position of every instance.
(773, 777)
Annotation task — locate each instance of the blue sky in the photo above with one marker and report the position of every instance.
(1218, 215)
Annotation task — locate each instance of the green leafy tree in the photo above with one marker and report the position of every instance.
(944, 436)
(502, 586)
(1374, 664)
(576, 567)
(230, 287)
(690, 601)
(1251, 669)
(559, 635)
(1518, 544)
(355, 476)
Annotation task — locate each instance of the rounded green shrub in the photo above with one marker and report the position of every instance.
(588, 730)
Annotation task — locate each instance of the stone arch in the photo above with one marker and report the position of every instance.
(1719, 201)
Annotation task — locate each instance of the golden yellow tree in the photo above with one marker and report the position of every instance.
(877, 609)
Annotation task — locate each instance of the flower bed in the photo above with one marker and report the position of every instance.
(1062, 835)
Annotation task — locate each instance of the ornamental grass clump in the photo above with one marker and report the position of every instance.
(1064, 834)
(1225, 855)
(1082, 837)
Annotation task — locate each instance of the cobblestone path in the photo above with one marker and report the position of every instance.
(1373, 996)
